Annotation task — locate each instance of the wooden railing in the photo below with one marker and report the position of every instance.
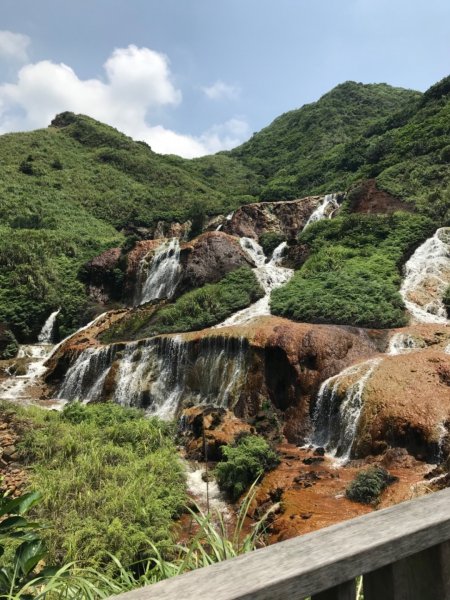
(403, 552)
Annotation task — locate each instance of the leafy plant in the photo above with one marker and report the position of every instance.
(243, 463)
(368, 485)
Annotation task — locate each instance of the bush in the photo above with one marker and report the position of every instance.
(111, 480)
(270, 240)
(353, 273)
(195, 310)
(447, 301)
(243, 463)
(369, 484)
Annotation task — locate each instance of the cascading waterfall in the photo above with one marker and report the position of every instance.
(269, 274)
(159, 275)
(338, 408)
(427, 276)
(85, 378)
(46, 335)
(161, 373)
(402, 343)
(17, 387)
(325, 210)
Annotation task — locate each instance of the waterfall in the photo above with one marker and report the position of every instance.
(84, 379)
(402, 343)
(46, 335)
(159, 274)
(270, 276)
(427, 276)
(160, 374)
(338, 408)
(17, 387)
(325, 210)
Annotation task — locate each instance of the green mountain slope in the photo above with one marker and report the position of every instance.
(70, 191)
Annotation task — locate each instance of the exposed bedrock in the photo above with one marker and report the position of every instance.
(366, 197)
(285, 218)
(270, 361)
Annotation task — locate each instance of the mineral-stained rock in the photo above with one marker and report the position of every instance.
(366, 197)
(209, 257)
(286, 218)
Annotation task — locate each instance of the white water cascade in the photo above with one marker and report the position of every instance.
(427, 276)
(326, 209)
(46, 335)
(159, 274)
(402, 343)
(270, 276)
(159, 374)
(338, 408)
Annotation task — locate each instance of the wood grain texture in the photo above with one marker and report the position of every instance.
(309, 564)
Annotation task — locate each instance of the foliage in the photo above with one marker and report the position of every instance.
(197, 309)
(369, 484)
(447, 301)
(270, 240)
(111, 481)
(211, 543)
(353, 273)
(243, 463)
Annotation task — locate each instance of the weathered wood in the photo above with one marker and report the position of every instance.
(310, 564)
(344, 591)
(422, 576)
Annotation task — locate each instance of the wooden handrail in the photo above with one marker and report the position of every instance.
(404, 549)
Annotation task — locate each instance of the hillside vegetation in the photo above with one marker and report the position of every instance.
(72, 190)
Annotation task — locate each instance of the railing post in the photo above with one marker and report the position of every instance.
(422, 576)
(345, 591)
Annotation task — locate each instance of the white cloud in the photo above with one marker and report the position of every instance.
(222, 91)
(137, 83)
(14, 46)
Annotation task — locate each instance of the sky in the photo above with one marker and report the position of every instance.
(193, 77)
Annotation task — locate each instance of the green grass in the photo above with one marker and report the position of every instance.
(111, 482)
(198, 309)
(353, 274)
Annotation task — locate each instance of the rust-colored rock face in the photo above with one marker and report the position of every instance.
(367, 198)
(209, 257)
(407, 404)
(285, 218)
(134, 258)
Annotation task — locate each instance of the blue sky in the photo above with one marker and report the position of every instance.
(196, 76)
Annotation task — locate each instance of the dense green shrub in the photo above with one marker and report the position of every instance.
(447, 301)
(200, 308)
(369, 484)
(270, 240)
(111, 482)
(249, 458)
(353, 273)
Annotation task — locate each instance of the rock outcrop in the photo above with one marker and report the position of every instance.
(209, 257)
(286, 218)
(366, 197)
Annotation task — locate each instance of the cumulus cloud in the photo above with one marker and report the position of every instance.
(137, 83)
(222, 91)
(14, 46)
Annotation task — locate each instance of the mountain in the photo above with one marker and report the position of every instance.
(69, 192)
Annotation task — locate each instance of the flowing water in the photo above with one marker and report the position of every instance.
(402, 343)
(270, 276)
(427, 276)
(46, 335)
(18, 387)
(338, 408)
(160, 374)
(159, 274)
(326, 209)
